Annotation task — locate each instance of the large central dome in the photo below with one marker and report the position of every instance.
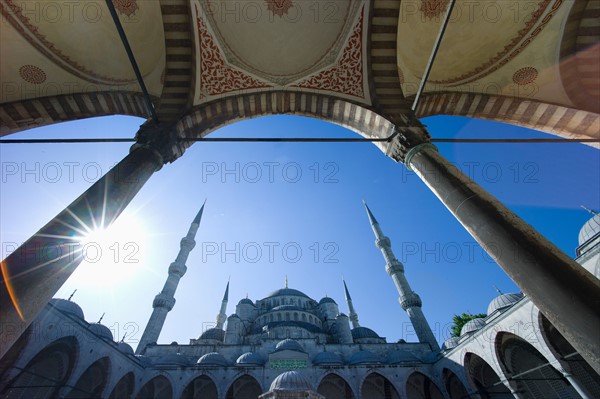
(287, 292)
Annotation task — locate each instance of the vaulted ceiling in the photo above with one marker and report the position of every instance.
(533, 63)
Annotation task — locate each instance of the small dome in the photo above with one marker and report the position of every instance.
(233, 316)
(341, 315)
(364, 357)
(450, 343)
(100, 330)
(287, 307)
(67, 307)
(503, 301)
(213, 333)
(398, 356)
(472, 325)
(328, 358)
(363, 332)
(246, 301)
(213, 359)
(250, 358)
(290, 381)
(125, 348)
(589, 229)
(287, 292)
(173, 359)
(327, 300)
(289, 345)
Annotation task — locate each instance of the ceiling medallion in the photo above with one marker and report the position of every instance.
(32, 74)
(433, 8)
(525, 76)
(279, 7)
(126, 7)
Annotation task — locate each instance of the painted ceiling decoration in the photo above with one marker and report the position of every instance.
(279, 7)
(433, 8)
(126, 7)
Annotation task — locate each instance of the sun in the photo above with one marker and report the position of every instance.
(113, 255)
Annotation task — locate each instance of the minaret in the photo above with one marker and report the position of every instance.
(165, 300)
(222, 316)
(409, 300)
(353, 316)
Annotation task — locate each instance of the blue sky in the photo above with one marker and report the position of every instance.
(292, 209)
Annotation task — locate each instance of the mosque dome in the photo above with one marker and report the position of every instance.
(398, 356)
(66, 306)
(363, 332)
(289, 345)
(328, 358)
(287, 292)
(503, 301)
(450, 343)
(364, 357)
(213, 333)
(290, 381)
(125, 348)
(173, 359)
(589, 229)
(472, 325)
(212, 359)
(326, 300)
(246, 301)
(100, 330)
(250, 358)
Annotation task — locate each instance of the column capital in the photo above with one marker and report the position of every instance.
(406, 139)
(163, 140)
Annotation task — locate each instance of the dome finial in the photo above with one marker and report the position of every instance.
(286, 281)
(498, 290)
(101, 317)
(71, 296)
(593, 212)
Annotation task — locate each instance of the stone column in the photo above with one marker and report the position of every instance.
(34, 272)
(566, 293)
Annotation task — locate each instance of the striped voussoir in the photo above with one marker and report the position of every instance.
(208, 117)
(383, 67)
(562, 121)
(26, 114)
(179, 77)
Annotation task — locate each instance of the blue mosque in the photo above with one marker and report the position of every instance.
(289, 345)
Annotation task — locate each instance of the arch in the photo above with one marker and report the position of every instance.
(46, 373)
(201, 387)
(550, 118)
(213, 115)
(244, 387)
(484, 379)
(158, 387)
(92, 381)
(572, 361)
(454, 386)
(27, 114)
(376, 386)
(333, 386)
(529, 371)
(123, 388)
(419, 386)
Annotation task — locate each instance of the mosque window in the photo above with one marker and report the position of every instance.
(287, 317)
(279, 316)
(295, 316)
(303, 317)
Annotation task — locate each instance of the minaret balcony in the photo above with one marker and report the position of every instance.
(383, 242)
(394, 267)
(163, 301)
(178, 269)
(411, 300)
(187, 243)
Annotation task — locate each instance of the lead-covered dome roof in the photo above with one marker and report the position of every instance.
(250, 358)
(328, 358)
(589, 229)
(101, 331)
(363, 332)
(503, 301)
(327, 300)
(212, 359)
(173, 359)
(213, 333)
(365, 357)
(472, 325)
(287, 292)
(290, 345)
(66, 306)
(290, 381)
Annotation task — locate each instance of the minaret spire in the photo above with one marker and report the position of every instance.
(222, 316)
(352, 315)
(409, 300)
(165, 300)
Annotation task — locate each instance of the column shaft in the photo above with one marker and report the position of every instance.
(34, 272)
(566, 293)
